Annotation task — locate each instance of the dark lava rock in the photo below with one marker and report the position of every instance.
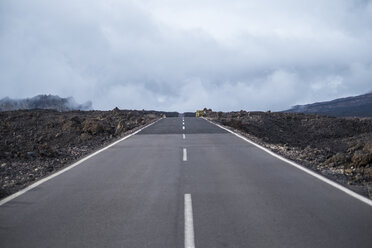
(35, 143)
(339, 148)
(93, 127)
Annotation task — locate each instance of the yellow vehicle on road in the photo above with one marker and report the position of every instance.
(200, 113)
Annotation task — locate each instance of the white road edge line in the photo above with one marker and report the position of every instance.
(189, 223)
(41, 181)
(183, 136)
(184, 158)
(308, 171)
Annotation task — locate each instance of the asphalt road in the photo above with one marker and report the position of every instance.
(201, 184)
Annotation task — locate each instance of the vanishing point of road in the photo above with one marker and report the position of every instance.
(184, 182)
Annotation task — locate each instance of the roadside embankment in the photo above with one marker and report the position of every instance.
(35, 143)
(338, 148)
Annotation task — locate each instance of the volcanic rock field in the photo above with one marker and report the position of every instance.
(36, 143)
(338, 148)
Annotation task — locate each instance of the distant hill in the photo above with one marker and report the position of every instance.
(358, 106)
(43, 102)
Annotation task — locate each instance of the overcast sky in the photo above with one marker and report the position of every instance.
(186, 55)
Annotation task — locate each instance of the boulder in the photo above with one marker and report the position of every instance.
(72, 125)
(93, 126)
(361, 158)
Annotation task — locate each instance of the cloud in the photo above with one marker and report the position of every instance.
(183, 55)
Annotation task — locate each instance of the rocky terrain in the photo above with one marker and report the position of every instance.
(338, 148)
(355, 106)
(35, 143)
(43, 102)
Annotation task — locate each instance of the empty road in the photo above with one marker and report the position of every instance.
(185, 184)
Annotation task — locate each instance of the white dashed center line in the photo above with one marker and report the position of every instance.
(184, 158)
(183, 136)
(189, 223)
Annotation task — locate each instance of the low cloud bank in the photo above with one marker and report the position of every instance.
(254, 55)
(43, 102)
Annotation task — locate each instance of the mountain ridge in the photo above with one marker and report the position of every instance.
(43, 102)
(353, 106)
